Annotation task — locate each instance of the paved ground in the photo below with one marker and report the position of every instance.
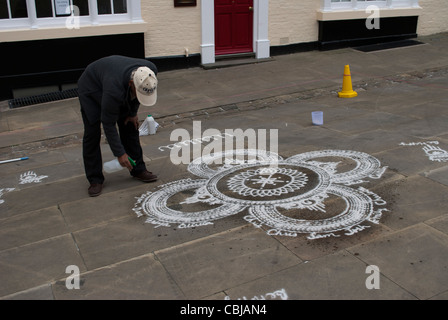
(394, 210)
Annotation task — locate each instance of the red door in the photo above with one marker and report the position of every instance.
(233, 26)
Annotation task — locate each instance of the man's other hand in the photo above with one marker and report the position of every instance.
(133, 120)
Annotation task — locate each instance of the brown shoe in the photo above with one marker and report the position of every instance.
(95, 189)
(146, 176)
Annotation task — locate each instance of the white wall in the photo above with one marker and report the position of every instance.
(170, 29)
(434, 17)
(293, 21)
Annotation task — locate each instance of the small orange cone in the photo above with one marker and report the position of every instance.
(347, 89)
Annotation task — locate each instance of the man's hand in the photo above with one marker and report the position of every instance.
(124, 161)
(133, 120)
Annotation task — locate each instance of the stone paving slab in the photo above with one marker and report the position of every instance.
(412, 200)
(47, 114)
(83, 214)
(40, 262)
(141, 278)
(122, 245)
(439, 175)
(309, 250)
(218, 262)
(408, 257)
(31, 227)
(43, 292)
(337, 276)
(369, 122)
(43, 158)
(409, 160)
(426, 128)
(439, 223)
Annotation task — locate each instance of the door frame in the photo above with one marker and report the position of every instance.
(261, 43)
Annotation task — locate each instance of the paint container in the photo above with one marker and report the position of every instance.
(114, 165)
(317, 117)
(149, 126)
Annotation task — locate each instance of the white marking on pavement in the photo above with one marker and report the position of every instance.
(272, 189)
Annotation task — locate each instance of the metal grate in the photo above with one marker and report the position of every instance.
(42, 98)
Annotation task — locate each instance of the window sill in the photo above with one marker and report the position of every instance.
(14, 35)
(362, 14)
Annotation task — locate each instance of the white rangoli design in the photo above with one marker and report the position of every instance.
(273, 189)
(3, 191)
(261, 182)
(31, 177)
(433, 152)
(282, 294)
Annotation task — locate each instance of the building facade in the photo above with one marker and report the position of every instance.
(48, 43)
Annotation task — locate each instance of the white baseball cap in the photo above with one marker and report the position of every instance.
(145, 82)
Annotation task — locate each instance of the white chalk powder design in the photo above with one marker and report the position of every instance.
(3, 191)
(30, 177)
(432, 150)
(275, 191)
(276, 295)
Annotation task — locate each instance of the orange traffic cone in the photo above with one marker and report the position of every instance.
(347, 89)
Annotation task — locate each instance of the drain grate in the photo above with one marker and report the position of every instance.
(42, 98)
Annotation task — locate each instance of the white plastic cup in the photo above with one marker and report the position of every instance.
(317, 118)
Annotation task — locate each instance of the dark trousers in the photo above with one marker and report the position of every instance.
(91, 150)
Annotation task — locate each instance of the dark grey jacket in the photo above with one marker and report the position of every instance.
(104, 94)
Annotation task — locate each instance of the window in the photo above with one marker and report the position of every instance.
(46, 13)
(330, 5)
(51, 8)
(112, 6)
(13, 9)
